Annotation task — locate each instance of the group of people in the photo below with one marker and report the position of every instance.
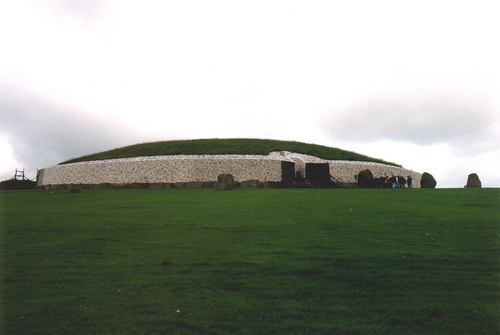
(395, 182)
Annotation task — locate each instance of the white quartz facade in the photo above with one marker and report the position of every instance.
(347, 171)
(204, 168)
(164, 169)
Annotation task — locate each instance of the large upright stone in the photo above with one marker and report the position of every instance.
(473, 181)
(427, 181)
(365, 179)
(225, 182)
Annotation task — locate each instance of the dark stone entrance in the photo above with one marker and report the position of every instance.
(287, 173)
(319, 173)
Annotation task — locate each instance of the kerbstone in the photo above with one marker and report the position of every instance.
(225, 182)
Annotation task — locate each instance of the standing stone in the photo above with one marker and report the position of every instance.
(225, 182)
(473, 181)
(365, 179)
(427, 181)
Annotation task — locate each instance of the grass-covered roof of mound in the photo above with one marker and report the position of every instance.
(225, 146)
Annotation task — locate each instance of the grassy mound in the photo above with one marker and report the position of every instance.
(225, 146)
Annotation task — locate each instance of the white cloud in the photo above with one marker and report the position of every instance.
(194, 69)
(462, 120)
(9, 164)
(41, 132)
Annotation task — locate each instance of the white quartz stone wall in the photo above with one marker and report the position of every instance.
(164, 169)
(347, 171)
(204, 168)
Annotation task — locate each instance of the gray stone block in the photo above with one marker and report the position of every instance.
(251, 184)
(225, 182)
(194, 184)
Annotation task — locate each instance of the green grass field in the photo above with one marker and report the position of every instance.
(250, 261)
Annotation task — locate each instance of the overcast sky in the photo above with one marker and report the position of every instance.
(415, 83)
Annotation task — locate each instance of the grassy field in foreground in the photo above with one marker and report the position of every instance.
(250, 261)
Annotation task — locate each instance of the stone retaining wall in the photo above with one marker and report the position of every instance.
(202, 169)
(347, 171)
